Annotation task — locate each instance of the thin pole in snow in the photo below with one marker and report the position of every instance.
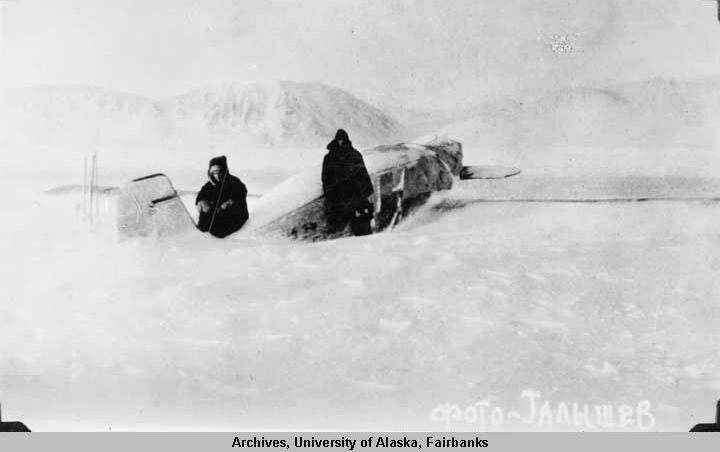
(92, 188)
(84, 188)
(97, 183)
(96, 203)
(222, 185)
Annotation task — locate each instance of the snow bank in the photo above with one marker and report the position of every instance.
(589, 304)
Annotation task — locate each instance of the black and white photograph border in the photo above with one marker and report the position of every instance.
(377, 215)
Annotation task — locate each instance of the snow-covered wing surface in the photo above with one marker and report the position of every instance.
(293, 193)
(150, 206)
(295, 207)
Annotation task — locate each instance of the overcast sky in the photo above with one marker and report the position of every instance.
(418, 53)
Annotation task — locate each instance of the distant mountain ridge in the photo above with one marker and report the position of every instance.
(656, 113)
(282, 113)
(659, 113)
(265, 115)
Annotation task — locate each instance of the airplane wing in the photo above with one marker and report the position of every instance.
(487, 172)
(537, 188)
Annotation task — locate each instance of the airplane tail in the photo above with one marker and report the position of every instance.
(150, 206)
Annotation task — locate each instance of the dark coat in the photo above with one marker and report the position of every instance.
(218, 221)
(344, 176)
(346, 186)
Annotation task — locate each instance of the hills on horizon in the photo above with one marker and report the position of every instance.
(656, 113)
(277, 114)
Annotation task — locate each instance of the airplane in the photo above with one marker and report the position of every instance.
(404, 176)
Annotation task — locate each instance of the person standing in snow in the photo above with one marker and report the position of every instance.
(222, 201)
(347, 187)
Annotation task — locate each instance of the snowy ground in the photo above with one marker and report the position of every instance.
(469, 307)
